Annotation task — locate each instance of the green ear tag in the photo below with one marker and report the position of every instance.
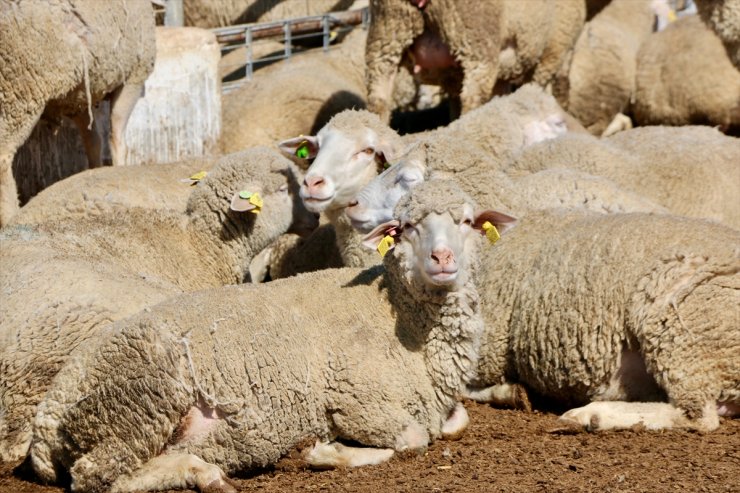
(302, 151)
(244, 194)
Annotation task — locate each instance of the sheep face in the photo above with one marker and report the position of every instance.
(374, 204)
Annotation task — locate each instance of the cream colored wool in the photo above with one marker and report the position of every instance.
(61, 58)
(598, 81)
(691, 171)
(98, 191)
(220, 13)
(499, 39)
(723, 16)
(83, 273)
(570, 296)
(295, 97)
(261, 360)
(684, 77)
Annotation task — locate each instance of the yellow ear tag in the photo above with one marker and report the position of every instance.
(194, 179)
(385, 245)
(302, 151)
(672, 15)
(491, 232)
(256, 201)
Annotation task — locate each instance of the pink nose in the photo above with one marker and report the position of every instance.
(313, 184)
(443, 256)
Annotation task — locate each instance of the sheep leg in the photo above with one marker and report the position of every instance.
(615, 415)
(326, 455)
(170, 471)
(90, 139)
(8, 192)
(123, 101)
(504, 395)
(478, 83)
(456, 423)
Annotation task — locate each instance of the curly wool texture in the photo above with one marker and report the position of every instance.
(723, 17)
(61, 57)
(566, 292)
(691, 171)
(490, 40)
(84, 273)
(663, 92)
(598, 81)
(260, 358)
(99, 191)
(220, 13)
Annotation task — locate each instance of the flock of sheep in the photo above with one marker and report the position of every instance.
(536, 244)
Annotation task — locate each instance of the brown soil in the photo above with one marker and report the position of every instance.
(514, 451)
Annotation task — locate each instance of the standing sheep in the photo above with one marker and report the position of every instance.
(467, 45)
(61, 58)
(83, 273)
(231, 379)
(666, 94)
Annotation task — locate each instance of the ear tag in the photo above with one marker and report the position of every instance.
(302, 151)
(385, 245)
(491, 232)
(672, 15)
(194, 179)
(386, 165)
(256, 201)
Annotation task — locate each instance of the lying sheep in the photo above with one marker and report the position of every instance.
(691, 171)
(467, 48)
(355, 146)
(83, 273)
(664, 94)
(585, 307)
(598, 81)
(61, 58)
(101, 190)
(488, 186)
(213, 396)
(723, 16)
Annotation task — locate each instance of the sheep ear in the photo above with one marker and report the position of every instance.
(302, 147)
(245, 200)
(502, 222)
(374, 237)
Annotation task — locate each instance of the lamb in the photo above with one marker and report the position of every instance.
(355, 146)
(584, 307)
(213, 396)
(691, 171)
(723, 16)
(467, 49)
(665, 95)
(83, 273)
(101, 190)
(598, 80)
(488, 186)
(61, 59)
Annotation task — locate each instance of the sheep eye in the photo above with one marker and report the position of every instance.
(469, 222)
(409, 228)
(283, 188)
(369, 150)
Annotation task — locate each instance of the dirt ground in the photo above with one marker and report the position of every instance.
(514, 451)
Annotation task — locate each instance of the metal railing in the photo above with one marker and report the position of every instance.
(326, 27)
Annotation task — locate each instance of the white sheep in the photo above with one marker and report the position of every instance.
(691, 171)
(664, 94)
(466, 48)
(83, 273)
(229, 379)
(355, 146)
(61, 58)
(101, 190)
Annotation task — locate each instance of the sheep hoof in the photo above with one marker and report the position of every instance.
(222, 485)
(456, 424)
(324, 455)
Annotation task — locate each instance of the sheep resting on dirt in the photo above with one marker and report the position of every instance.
(230, 379)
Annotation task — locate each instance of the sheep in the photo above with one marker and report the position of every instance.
(691, 171)
(100, 190)
(467, 48)
(219, 13)
(597, 82)
(601, 309)
(488, 186)
(663, 92)
(61, 58)
(295, 98)
(723, 16)
(83, 273)
(377, 357)
(355, 146)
